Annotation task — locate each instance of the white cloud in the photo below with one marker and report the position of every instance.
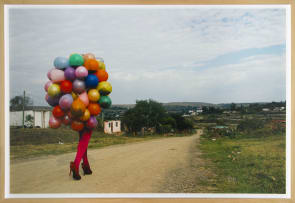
(149, 50)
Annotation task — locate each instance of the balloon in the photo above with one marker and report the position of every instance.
(74, 95)
(57, 75)
(66, 120)
(61, 62)
(91, 64)
(53, 90)
(104, 88)
(77, 125)
(65, 102)
(102, 75)
(66, 86)
(81, 72)
(49, 73)
(105, 102)
(52, 101)
(94, 109)
(88, 56)
(91, 81)
(101, 65)
(79, 86)
(54, 122)
(77, 108)
(57, 112)
(46, 86)
(70, 74)
(92, 122)
(76, 60)
(93, 95)
(85, 116)
(84, 98)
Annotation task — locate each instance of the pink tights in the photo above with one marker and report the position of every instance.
(85, 136)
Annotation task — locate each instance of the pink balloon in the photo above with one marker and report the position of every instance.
(66, 120)
(49, 74)
(92, 122)
(57, 75)
(84, 98)
(81, 72)
(46, 86)
(54, 122)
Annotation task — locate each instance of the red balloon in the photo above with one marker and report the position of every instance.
(66, 120)
(58, 112)
(66, 86)
(54, 122)
(77, 125)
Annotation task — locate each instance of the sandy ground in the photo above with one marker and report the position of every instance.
(156, 166)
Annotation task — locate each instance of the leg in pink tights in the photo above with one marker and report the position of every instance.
(85, 136)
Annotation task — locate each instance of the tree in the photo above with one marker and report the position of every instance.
(233, 106)
(182, 124)
(145, 114)
(29, 121)
(17, 102)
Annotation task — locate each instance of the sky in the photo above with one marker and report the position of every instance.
(175, 54)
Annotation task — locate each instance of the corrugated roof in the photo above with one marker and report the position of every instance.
(34, 108)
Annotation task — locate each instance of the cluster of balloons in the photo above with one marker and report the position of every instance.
(77, 89)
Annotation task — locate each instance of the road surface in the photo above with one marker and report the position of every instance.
(155, 166)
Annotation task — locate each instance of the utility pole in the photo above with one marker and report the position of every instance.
(24, 109)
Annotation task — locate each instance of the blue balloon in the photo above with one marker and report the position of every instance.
(61, 62)
(91, 81)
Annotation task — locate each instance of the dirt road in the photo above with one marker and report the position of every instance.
(147, 167)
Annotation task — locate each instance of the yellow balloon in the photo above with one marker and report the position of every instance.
(104, 88)
(93, 95)
(53, 90)
(74, 95)
(85, 116)
(101, 65)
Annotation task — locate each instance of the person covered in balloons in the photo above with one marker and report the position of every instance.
(77, 90)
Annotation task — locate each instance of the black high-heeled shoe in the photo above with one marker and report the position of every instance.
(76, 175)
(86, 169)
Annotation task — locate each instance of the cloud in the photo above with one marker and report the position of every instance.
(152, 52)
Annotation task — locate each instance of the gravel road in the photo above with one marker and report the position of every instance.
(155, 166)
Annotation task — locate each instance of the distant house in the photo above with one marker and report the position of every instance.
(265, 109)
(111, 127)
(40, 116)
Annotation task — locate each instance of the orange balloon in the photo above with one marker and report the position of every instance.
(77, 108)
(77, 125)
(102, 75)
(94, 109)
(88, 56)
(91, 64)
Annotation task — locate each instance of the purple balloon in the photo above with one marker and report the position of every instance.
(92, 122)
(52, 101)
(70, 74)
(79, 86)
(65, 102)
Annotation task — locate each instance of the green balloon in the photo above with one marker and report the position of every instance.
(105, 102)
(76, 60)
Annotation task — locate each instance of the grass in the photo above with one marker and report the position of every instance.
(245, 165)
(29, 143)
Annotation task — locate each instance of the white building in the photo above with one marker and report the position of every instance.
(111, 127)
(40, 117)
